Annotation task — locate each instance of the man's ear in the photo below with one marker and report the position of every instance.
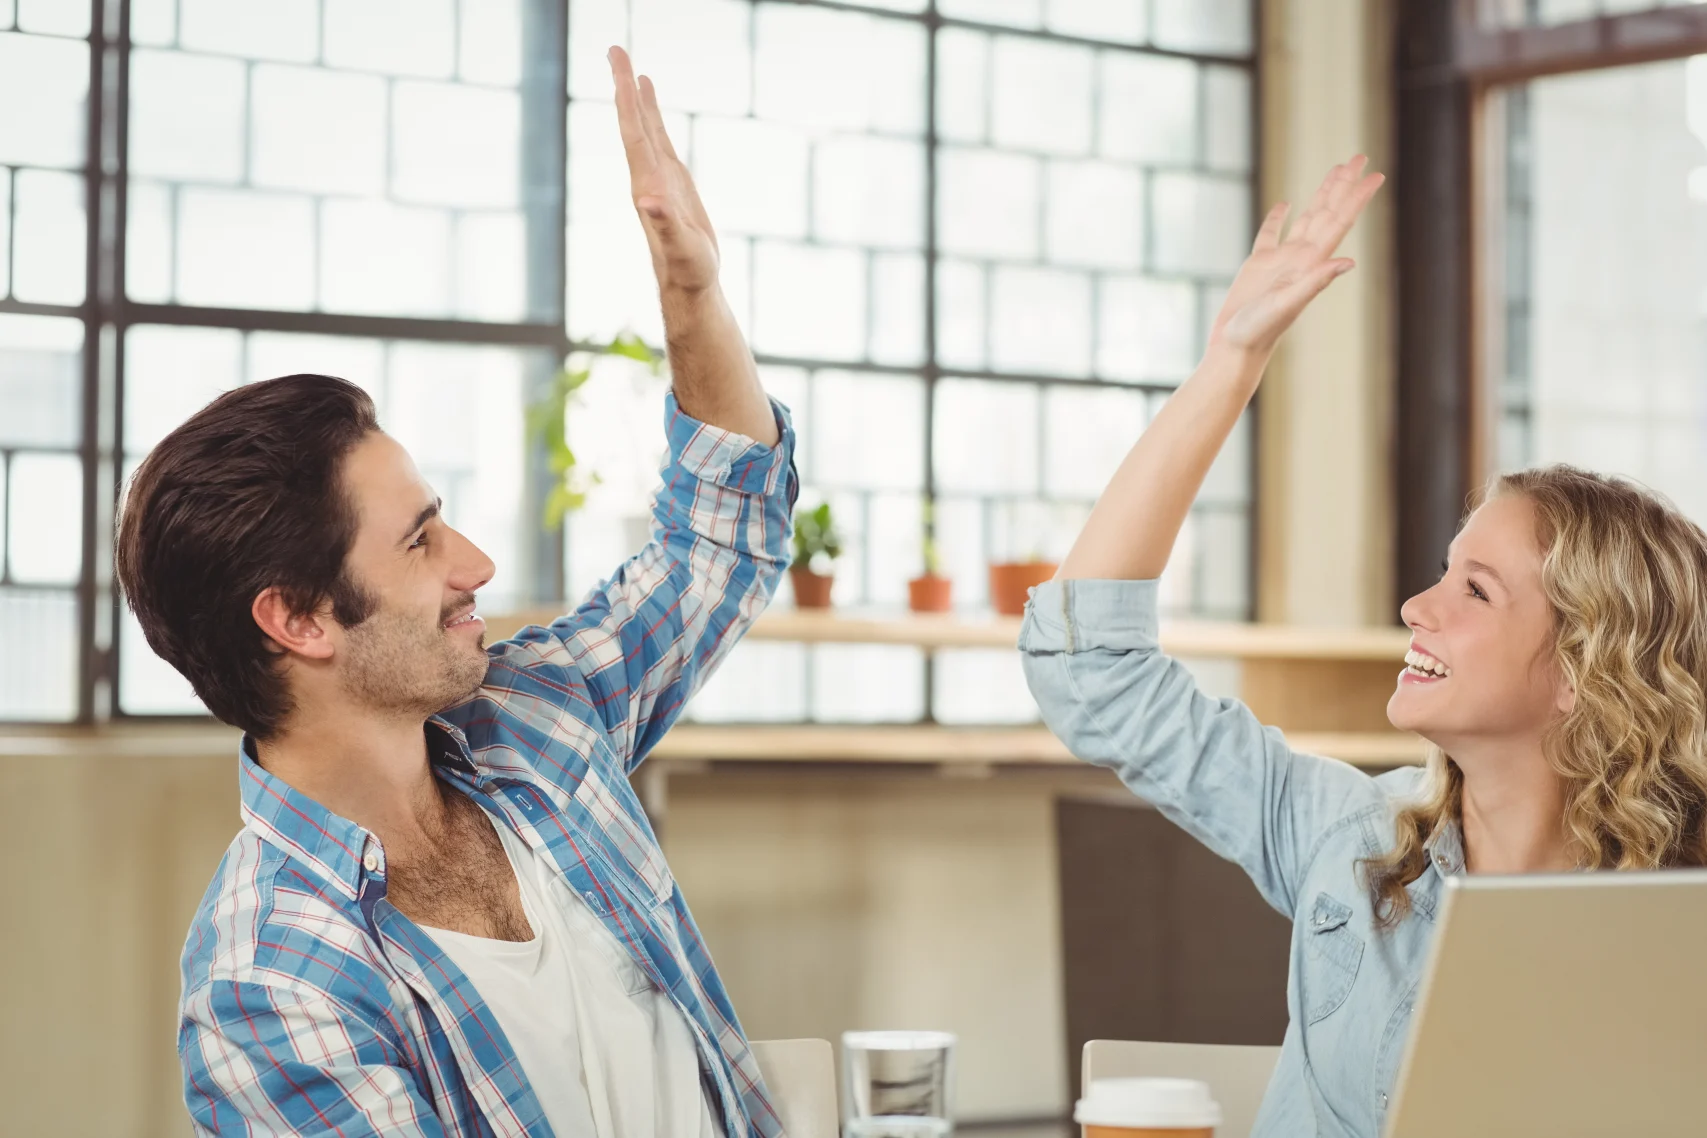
(300, 634)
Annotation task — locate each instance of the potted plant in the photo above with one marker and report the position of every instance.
(1011, 582)
(816, 547)
(547, 422)
(931, 592)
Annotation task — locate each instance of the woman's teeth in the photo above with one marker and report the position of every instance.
(1425, 665)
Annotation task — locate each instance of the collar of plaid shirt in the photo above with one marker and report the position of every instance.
(313, 1003)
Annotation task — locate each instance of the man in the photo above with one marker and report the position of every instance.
(446, 913)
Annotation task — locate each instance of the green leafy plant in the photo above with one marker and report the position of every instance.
(932, 554)
(547, 424)
(815, 537)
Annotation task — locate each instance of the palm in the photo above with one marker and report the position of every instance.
(1280, 276)
(683, 243)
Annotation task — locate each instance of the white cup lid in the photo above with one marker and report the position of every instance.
(1148, 1102)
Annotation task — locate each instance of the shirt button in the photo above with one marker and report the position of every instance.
(371, 860)
(1383, 1100)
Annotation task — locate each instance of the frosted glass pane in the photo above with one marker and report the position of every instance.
(1224, 564)
(1087, 434)
(1009, 13)
(960, 542)
(170, 374)
(5, 232)
(982, 685)
(598, 171)
(378, 257)
(833, 70)
(751, 176)
(867, 683)
(186, 116)
(758, 682)
(1221, 26)
(963, 84)
(54, 17)
(985, 437)
(869, 191)
(39, 683)
(153, 23)
(148, 242)
(48, 237)
(358, 360)
(149, 685)
(490, 259)
(960, 310)
(51, 77)
(1227, 138)
(1147, 329)
(897, 308)
(611, 288)
(224, 234)
(318, 130)
(491, 47)
(808, 302)
(987, 203)
(894, 547)
(1202, 225)
(398, 37)
(41, 381)
(44, 518)
(735, 273)
(1040, 97)
(870, 430)
(594, 26)
(264, 29)
(1148, 108)
(1117, 21)
(698, 53)
(1096, 215)
(455, 145)
(1040, 321)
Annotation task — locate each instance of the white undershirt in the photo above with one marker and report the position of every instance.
(638, 1074)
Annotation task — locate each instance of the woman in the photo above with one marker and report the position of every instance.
(1557, 669)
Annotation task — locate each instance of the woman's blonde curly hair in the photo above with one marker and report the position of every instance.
(1626, 576)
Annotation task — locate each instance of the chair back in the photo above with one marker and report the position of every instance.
(801, 1077)
(1237, 1076)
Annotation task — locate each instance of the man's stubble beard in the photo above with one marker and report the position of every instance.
(398, 665)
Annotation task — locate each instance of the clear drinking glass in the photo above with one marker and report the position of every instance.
(897, 1084)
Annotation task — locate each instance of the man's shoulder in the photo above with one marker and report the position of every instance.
(266, 919)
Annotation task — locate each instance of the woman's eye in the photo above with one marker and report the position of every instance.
(1476, 591)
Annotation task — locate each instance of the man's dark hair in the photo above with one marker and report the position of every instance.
(244, 496)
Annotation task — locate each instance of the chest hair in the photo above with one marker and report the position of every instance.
(462, 882)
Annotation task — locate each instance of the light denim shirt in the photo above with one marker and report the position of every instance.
(1298, 824)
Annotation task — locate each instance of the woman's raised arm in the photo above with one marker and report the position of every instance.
(1131, 532)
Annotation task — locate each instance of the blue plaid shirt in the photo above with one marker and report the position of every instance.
(311, 1005)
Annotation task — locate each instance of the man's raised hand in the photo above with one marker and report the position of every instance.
(1281, 277)
(683, 244)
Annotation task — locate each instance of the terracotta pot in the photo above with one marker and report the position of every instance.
(930, 593)
(811, 590)
(1010, 581)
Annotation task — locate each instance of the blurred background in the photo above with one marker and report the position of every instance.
(974, 245)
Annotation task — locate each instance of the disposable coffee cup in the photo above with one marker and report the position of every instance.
(1148, 1108)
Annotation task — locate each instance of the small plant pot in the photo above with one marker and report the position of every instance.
(1011, 581)
(811, 590)
(930, 593)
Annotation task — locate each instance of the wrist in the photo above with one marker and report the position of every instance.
(1234, 362)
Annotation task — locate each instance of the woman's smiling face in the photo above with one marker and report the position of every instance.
(1481, 667)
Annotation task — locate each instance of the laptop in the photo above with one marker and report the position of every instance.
(1562, 1005)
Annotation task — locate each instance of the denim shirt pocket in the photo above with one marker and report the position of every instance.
(1332, 954)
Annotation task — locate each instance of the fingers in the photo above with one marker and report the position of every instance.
(653, 119)
(1339, 200)
(1307, 287)
(1269, 235)
(635, 142)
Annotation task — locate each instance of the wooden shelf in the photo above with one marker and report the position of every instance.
(878, 745)
(1179, 638)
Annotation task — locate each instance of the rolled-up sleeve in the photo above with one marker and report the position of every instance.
(1092, 657)
(643, 641)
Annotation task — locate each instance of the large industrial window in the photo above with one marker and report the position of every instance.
(974, 244)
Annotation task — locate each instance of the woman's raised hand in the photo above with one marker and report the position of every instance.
(1281, 276)
(683, 244)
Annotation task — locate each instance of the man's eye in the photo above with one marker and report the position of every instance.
(420, 542)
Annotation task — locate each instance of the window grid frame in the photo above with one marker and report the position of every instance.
(107, 313)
